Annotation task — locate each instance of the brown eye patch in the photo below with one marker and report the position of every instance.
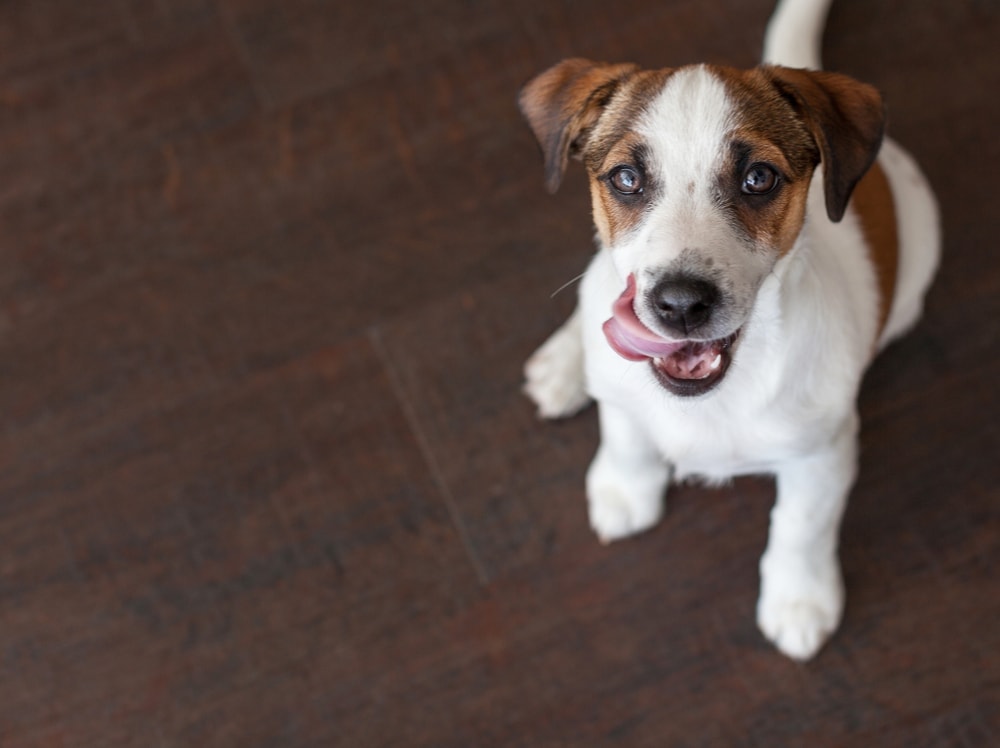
(616, 213)
(615, 156)
(621, 189)
(771, 161)
(765, 202)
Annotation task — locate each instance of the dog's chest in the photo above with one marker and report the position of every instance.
(755, 419)
(701, 441)
(718, 437)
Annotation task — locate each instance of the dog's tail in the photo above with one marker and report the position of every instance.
(795, 33)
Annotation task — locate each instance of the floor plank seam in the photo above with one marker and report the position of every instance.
(423, 442)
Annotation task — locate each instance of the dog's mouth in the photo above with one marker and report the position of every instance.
(684, 367)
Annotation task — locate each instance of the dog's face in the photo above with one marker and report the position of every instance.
(699, 178)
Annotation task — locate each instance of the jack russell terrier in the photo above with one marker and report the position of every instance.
(759, 242)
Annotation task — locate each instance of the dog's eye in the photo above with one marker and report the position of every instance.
(626, 180)
(759, 180)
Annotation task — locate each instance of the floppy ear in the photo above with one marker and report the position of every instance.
(563, 103)
(847, 121)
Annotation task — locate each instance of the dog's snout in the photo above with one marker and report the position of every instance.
(684, 304)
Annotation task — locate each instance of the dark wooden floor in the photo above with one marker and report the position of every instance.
(269, 272)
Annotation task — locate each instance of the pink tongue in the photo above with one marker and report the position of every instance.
(633, 340)
(628, 336)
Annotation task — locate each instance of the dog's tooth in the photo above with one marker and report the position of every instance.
(715, 364)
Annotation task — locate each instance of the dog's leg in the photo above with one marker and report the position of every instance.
(554, 374)
(802, 591)
(627, 479)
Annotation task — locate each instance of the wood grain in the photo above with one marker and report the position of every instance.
(269, 273)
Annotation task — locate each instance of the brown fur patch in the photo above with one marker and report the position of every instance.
(846, 119)
(612, 142)
(604, 218)
(614, 214)
(621, 112)
(768, 131)
(766, 116)
(773, 220)
(563, 103)
(873, 202)
(586, 110)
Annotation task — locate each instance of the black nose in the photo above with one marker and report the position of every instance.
(683, 303)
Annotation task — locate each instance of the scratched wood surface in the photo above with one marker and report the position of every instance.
(268, 272)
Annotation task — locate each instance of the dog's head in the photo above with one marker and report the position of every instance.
(698, 178)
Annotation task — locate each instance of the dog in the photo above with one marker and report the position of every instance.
(759, 241)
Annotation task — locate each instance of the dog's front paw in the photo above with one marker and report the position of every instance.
(553, 376)
(614, 516)
(620, 505)
(798, 611)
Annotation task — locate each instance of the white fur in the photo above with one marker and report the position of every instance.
(794, 33)
(552, 374)
(918, 222)
(787, 404)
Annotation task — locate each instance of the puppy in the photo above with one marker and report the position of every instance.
(759, 241)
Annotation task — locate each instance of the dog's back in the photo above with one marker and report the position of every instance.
(794, 39)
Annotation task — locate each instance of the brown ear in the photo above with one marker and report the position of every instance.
(563, 103)
(847, 121)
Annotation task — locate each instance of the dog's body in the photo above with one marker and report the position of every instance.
(755, 294)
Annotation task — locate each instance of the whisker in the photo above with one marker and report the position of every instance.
(567, 284)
